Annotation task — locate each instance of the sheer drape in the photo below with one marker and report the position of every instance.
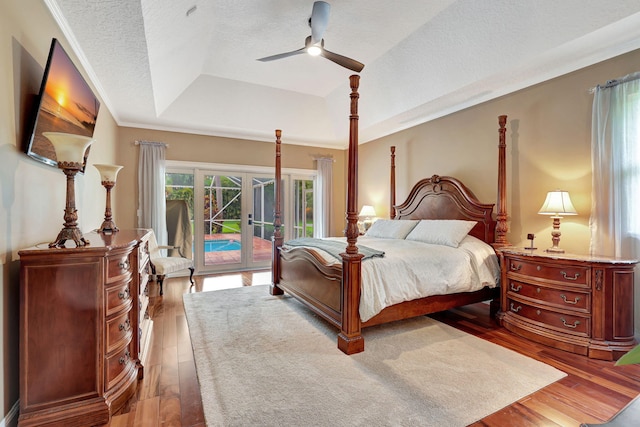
(615, 145)
(151, 191)
(323, 205)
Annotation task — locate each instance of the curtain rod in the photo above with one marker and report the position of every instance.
(162, 144)
(616, 82)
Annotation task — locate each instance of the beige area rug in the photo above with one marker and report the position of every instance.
(268, 361)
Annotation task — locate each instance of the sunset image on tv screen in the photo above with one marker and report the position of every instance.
(67, 104)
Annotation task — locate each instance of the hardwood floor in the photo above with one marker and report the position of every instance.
(169, 394)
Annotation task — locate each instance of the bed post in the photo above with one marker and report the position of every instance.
(392, 208)
(277, 239)
(350, 339)
(501, 217)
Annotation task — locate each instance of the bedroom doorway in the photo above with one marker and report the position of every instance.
(232, 212)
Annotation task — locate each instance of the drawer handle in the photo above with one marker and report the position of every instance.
(575, 324)
(124, 358)
(575, 277)
(514, 309)
(124, 264)
(516, 267)
(126, 326)
(124, 294)
(514, 289)
(564, 298)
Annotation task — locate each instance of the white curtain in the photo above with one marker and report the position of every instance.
(615, 148)
(323, 202)
(151, 190)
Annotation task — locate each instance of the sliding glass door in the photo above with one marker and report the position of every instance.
(233, 214)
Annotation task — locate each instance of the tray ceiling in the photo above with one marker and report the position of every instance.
(160, 64)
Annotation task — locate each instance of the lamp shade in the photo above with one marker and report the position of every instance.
(69, 147)
(108, 172)
(557, 203)
(367, 211)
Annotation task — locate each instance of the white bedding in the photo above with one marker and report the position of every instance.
(411, 270)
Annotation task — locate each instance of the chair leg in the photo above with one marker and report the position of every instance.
(160, 281)
(192, 269)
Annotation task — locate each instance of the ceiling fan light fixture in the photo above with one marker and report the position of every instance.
(314, 50)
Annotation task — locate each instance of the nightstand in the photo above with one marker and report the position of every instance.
(578, 303)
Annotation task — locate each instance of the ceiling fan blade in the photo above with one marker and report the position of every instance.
(282, 55)
(343, 61)
(319, 20)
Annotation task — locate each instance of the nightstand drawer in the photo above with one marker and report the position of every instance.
(573, 275)
(561, 298)
(561, 322)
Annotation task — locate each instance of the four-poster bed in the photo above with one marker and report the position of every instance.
(333, 290)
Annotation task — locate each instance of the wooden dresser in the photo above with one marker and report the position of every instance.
(577, 303)
(81, 323)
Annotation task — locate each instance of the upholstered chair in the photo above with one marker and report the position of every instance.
(163, 265)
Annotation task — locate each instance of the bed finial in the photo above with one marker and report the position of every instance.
(392, 192)
(501, 217)
(277, 239)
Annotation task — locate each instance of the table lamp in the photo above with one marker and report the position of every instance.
(557, 204)
(367, 213)
(70, 149)
(108, 175)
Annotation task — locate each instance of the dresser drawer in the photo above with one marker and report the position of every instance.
(572, 275)
(558, 321)
(118, 267)
(119, 329)
(143, 280)
(118, 364)
(561, 298)
(117, 297)
(143, 256)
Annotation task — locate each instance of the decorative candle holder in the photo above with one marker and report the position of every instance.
(70, 149)
(108, 175)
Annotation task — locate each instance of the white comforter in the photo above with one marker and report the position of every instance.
(411, 270)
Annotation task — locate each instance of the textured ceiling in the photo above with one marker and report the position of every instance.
(157, 66)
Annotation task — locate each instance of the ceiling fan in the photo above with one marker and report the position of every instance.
(314, 44)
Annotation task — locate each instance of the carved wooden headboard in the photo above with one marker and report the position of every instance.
(444, 197)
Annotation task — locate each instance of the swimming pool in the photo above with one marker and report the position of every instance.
(222, 245)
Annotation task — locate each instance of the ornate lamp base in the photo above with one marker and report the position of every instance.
(555, 236)
(69, 233)
(108, 226)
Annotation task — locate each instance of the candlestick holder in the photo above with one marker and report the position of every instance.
(108, 175)
(70, 149)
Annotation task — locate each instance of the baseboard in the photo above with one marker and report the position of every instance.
(11, 419)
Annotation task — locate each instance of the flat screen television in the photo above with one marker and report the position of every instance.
(65, 103)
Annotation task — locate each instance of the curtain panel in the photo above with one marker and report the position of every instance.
(615, 156)
(151, 189)
(323, 205)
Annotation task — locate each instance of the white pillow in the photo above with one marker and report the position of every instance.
(391, 228)
(448, 232)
